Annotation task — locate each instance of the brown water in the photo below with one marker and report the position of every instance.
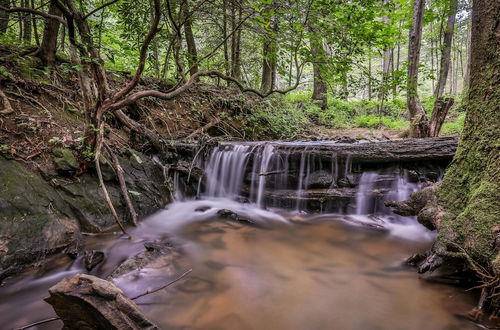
(319, 273)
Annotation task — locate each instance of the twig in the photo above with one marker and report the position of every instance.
(165, 286)
(38, 323)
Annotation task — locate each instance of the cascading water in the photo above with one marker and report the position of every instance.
(240, 271)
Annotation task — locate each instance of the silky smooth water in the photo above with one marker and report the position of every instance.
(292, 270)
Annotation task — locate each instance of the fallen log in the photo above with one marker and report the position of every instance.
(88, 302)
(395, 151)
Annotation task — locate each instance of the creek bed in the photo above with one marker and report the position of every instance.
(314, 272)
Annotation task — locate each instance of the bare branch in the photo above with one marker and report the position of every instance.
(107, 4)
(34, 12)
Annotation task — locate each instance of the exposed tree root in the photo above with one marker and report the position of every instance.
(7, 108)
(123, 187)
(426, 206)
(103, 186)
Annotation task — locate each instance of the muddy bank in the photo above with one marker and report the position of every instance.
(45, 213)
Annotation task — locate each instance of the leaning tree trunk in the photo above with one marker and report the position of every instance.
(419, 126)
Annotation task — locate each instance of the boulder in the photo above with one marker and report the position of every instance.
(88, 302)
(64, 160)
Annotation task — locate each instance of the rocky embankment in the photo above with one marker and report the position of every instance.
(47, 211)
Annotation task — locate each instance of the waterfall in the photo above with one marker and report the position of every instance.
(225, 170)
(297, 177)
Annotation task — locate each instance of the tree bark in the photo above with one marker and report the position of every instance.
(268, 66)
(439, 112)
(190, 41)
(319, 95)
(419, 126)
(4, 16)
(26, 23)
(470, 191)
(236, 14)
(47, 50)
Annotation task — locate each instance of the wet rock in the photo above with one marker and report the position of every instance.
(92, 259)
(202, 209)
(39, 218)
(228, 214)
(345, 139)
(413, 176)
(154, 251)
(320, 179)
(64, 160)
(88, 302)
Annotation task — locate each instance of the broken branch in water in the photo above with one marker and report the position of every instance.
(52, 319)
(165, 286)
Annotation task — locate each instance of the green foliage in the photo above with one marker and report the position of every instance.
(454, 126)
(277, 118)
(373, 121)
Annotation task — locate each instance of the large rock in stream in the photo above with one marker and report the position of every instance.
(45, 214)
(88, 302)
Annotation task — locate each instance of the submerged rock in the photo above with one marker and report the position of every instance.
(88, 302)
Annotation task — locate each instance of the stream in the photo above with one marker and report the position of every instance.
(313, 247)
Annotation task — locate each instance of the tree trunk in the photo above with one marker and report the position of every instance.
(236, 14)
(26, 22)
(35, 28)
(4, 16)
(369, 78)
(268, 66)
(190, 41)
(442, 106)
(319, 95)
(47, 50)
(419, 126)
(439, 112)
(470, 191)
(386, 64)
